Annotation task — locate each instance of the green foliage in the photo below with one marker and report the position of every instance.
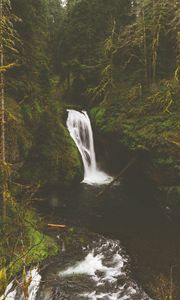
(9, 37)
(141, 119)
(98, 115)
(118, 58)
(53, 157)
(42, 245)
(100, 49)
(18, 139)
(148, 46)
(84, 29)
(38, 144)
(38, 32)
(164, 98)
(22, 243)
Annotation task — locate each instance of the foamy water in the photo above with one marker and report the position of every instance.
(102, 274)
(106, 266)
(97, 178)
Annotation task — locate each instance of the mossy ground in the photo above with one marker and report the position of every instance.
(22, 243)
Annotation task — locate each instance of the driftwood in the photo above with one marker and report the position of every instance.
(130, 163)
(57, 225)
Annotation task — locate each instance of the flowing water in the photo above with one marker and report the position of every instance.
(79, 126)
(102, 273)
(101, 270)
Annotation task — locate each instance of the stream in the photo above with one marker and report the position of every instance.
(101, 273)
(129, 242)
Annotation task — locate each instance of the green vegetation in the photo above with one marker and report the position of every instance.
(38, 148)
(127, 74)
(134, 125)
(117, 59)
(43, 152)
(22, 241)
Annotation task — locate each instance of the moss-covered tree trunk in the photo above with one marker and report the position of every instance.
(2, 113)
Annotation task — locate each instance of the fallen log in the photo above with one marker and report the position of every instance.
(57, 225)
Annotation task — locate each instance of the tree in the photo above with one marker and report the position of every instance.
(39, 33)
(149, 43)
(83, 32)
(105, 88)
(8, 38)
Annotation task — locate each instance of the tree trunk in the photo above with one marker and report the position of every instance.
(155, 43)
(145, 48)
(2, 119)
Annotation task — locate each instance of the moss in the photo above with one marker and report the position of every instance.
(145, 121)
(38, 141)
(18, 139)
(23, 242)
(41, 245)
(45, 246)
(53, 157)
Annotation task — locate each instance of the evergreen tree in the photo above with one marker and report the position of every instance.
(148, 46)
(85, 27)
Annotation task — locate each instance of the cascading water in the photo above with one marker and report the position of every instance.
(102, 273)
(79, 126)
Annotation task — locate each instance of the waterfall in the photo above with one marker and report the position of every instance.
(79, 126)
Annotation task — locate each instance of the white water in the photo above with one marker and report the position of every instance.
(16, 293)
(79, 126)
(104, 276)
(106, 266)
(9, 295)
(93, 264)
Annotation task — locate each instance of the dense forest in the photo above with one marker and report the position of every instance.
(117, 59)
